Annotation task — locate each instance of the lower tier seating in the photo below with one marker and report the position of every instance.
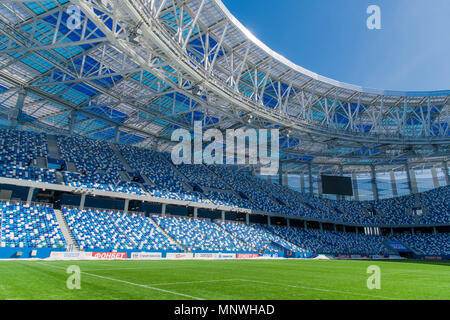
(258, 237)
(201, 235)
(29, 226)
(332, 242)
(36, 226)
(426, 244)
(109, 230)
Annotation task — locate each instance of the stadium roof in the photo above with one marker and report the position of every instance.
(133, 71)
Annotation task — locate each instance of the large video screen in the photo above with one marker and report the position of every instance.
(337, 185)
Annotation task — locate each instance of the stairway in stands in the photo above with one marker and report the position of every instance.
(182, 177)
(337, 211)
(119, 155)
(116, 223)
(171, 239)
(68, 236)
(53, 150)
(235, 237)
(125, 175)
(41, 162)
(228, 187)
(394, 251)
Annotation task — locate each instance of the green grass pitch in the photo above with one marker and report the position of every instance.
(224, 280)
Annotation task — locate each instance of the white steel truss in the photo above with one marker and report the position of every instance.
(145, 67)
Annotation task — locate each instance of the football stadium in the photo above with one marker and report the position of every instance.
(93, 205)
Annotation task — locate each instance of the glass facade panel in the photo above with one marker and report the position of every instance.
(294, 182)
(441, 177)
(401, 180)
(424, 180)
(365, 190)
(384, 185)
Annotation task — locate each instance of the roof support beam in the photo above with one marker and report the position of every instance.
(15, 113)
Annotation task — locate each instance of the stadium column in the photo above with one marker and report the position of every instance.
(393, 184)
(373, 173)
(341, 173)
(435, 177)
(302, 182)
(319, 185)
(311, 187)
(82, 201)
(447, 177)
(126, 206)
(355, 186)
(195, 213)
(412, 184)
(280, 175)
(223, 216)
(117, 137)
(15, 113)
(72, 119)
(247, 218)
(268, 221)
(30, 195)
(288, 223)
(305, 224)
(163, 209)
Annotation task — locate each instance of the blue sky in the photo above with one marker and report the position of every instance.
(330, 37)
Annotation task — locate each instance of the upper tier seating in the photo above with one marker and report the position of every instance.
(29, 173)
(19, 150)
(89, 155)
(29, 226)
(355, 211)
(241, 184)
(200, 235)
(437, 203)
(110, 230)
(229, 199)
(153, 166)
(102, 182)
(394, 211)
(97, 164)
(100, 168)
(200, 175)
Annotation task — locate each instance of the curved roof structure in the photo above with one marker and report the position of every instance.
(135, 70)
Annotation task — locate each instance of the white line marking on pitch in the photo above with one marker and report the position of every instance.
(193, 282)
(130, 283)
(317, 289)
(270, 283)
